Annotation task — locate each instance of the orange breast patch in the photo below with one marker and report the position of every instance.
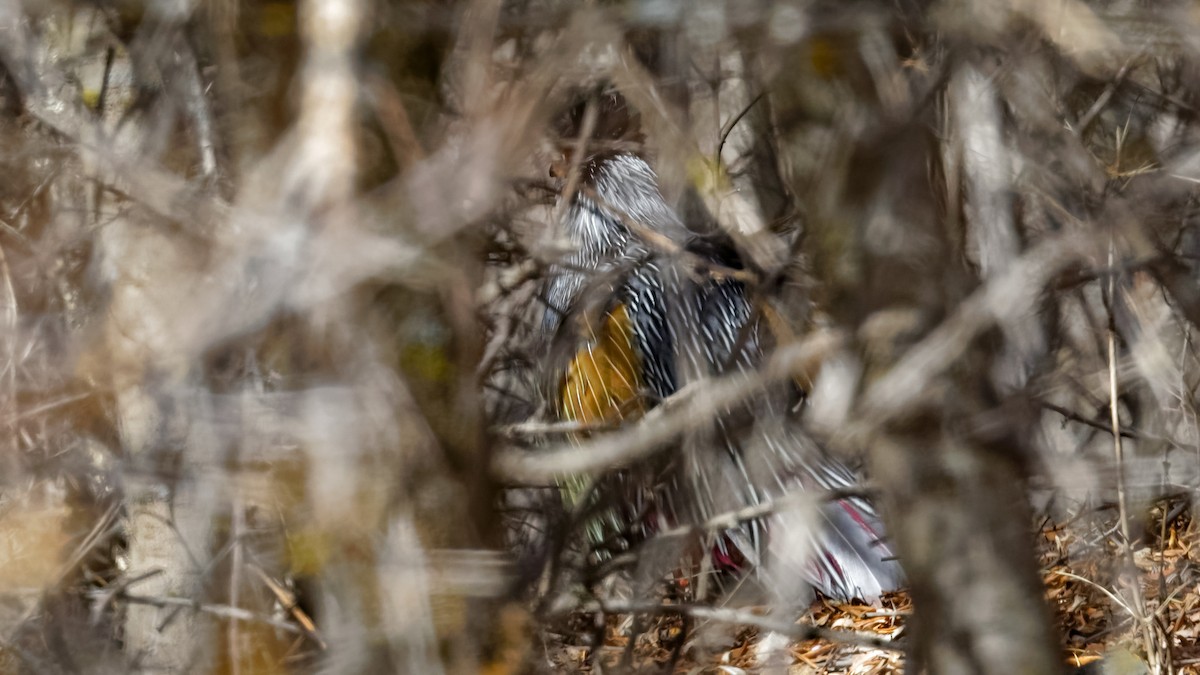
(604, 379)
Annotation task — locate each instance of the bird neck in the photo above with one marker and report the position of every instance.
(624, 188)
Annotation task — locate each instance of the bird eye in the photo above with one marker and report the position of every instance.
(560, 165)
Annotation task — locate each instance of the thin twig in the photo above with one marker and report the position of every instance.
(235, 583)
(1138, 610)
(222, 611)
(1102, 100)
(8, 365)
(731, 519)
(1111, 596)
(393, 119)
(288, 601)
(731, 124)
(534, 429)
(578, 156)
(1076, 417)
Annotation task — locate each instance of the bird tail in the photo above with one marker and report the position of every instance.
(835, 546)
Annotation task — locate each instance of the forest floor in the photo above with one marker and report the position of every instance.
(1080, 567)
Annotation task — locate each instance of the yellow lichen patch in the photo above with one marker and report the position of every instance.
(91, 98)
(603, 380)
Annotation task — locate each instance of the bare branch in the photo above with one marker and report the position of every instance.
(699, 400)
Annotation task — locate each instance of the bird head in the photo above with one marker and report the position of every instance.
(599, 122)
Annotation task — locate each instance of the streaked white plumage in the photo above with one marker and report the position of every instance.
(685, 329)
